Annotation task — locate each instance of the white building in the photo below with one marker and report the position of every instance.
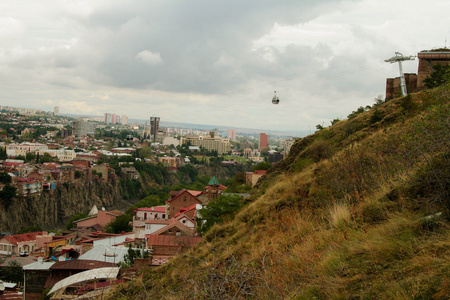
(24, 148)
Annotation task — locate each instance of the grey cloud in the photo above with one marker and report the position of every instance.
(190, 37)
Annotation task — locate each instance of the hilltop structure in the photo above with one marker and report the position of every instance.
(415, 82)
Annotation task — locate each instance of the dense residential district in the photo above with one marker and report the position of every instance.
(168, 177)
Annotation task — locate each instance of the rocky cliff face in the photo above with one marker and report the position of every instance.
(53, 209)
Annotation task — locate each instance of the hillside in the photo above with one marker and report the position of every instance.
(359, 210)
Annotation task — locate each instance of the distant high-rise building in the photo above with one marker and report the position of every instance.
(82, 127)
(154, 126)
(56, 111)
(231, 134)
(125, 120)
(116, 119)
(108, 118)
(262, 141)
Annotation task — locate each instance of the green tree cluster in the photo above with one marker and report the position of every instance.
(219, 210)
(28, 229)
(121, 223)
(12, 273)
(439, 76)
(79, 216)
(7, 195)
(3, 154)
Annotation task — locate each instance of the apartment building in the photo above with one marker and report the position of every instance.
(218, 144)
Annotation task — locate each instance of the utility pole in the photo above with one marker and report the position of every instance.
(399, 58)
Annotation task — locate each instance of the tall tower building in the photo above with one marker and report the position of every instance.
(262, 141)
(154, 126)
(125, 120)
(108, 118)
(56, 111)
(231, 134)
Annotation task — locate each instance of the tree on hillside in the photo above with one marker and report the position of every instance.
(27, 229)
(439, 76)
(7, 194)
(149, 201)
(130, 256)
(12, 273)
(3, 154)
(5, 178)
(75, 218)
(218, 210)
(121, 223)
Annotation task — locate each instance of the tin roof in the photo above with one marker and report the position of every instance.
(81, 264)
(97, 274)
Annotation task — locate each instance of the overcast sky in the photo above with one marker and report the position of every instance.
(211, 62)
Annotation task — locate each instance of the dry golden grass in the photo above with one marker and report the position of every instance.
(340, 216)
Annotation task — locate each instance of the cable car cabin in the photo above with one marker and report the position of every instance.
(275, 99)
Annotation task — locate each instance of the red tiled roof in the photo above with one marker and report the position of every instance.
(185, 209)
(174, 223)
(116, 213)
(181, 216)
(24, 237)
(12, 164)
(172, 240)
(192, 193)
(155, 209)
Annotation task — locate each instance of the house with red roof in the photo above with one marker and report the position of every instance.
(14, 244)
(142, 214)
(170, 245)
(28, 186)
(175, 228)
(190, 211)
(187, 221)
(99, 220)
(184, 198)
(151, 226)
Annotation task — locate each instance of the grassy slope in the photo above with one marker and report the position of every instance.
(341, 217)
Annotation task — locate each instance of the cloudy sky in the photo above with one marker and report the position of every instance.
(211, 62)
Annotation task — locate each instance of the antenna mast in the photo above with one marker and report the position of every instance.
(399, 58)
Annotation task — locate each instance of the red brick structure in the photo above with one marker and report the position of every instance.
(427, 59)
(100, 219)
(185, 198)
(169, 245)
(414, 82)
